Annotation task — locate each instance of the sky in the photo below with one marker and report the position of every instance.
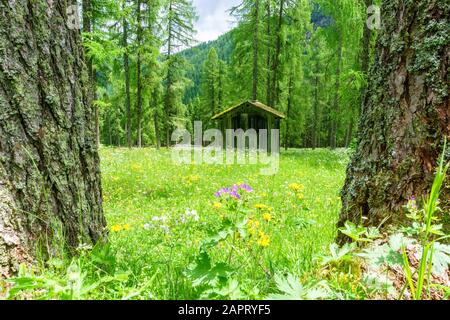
(214, 18)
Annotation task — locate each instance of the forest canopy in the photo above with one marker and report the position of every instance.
(308, 59)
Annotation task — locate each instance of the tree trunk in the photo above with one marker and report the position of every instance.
(406, 114)
(49, 164)
(276, 59)
(221, 84)
(336, 103)
(349, 133)
(316, 106)
(126, 67)
(169, 81)
(256, 50)
(289, 106)
(87, 28)
(155, 102)
(139, 80)
(269, 53)
(365, 55)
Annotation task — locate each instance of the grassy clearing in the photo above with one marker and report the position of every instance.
(146, 197)
(171, 237)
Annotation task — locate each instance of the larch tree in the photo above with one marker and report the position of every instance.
(256, 43)
(49, 164)
(179, 16)
(88, 26)
(275, 67)
(210, 86)
(139, 99)
(406, 113)
(290, 78)
(126, 69)
(248, 55)
(269, 52)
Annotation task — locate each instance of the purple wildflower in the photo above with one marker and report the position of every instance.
(235, 195)
(246, 187)
(233, 191)
(222, 191)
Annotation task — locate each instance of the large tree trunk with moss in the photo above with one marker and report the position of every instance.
(49, 165)
(406, 113)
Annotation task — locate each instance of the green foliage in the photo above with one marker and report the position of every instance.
(358, 233)
(292, 289)
(434, 256)
(338, 254)
(201, 272)
(428, 234)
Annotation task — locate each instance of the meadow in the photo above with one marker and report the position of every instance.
(160, 215)
(198, 231)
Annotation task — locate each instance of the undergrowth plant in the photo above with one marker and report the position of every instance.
(428, 233)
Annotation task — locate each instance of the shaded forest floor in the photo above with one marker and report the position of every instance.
(148, 198)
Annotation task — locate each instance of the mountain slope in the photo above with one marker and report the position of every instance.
(197, 55)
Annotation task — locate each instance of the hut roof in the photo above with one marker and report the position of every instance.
(255, 104)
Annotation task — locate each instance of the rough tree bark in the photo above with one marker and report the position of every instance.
(49, 164)
(406, 113)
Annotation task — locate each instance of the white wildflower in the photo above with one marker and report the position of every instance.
(148, 226)
(165, 229)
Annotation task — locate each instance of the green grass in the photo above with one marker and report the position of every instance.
(171, 238)
(263, 245)
(141, 184)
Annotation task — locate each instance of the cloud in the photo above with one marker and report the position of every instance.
(214, 18)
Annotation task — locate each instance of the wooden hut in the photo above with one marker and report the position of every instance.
(249, 115)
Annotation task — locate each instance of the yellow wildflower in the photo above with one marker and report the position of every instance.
(193, 178)
(267, 216)
(126, 227)
(253, 226)
(260, 206)
(136, 167)
(296, 187)
(116, 228)
(263, 240)
(217, 205)
(300, 196)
